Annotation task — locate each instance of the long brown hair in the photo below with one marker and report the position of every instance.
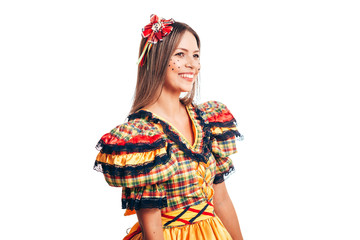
(151, 76)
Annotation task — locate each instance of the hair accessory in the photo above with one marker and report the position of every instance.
(154, 32)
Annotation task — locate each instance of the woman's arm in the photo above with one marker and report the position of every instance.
(225, 210)
(150, 222)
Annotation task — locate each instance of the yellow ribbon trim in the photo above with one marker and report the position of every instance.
(131, 158)
(220, 130)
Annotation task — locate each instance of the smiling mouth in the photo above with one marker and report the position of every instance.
(187, 76)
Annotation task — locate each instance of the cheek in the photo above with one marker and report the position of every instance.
(174, 65)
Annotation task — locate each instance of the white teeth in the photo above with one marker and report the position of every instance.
(187, 75)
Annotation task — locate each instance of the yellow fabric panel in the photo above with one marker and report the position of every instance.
(209, 229)
(205, 174)
(131, 158)
(220, 130)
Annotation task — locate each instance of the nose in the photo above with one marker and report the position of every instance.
(190, 62)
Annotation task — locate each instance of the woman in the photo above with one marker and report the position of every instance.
(171, 156)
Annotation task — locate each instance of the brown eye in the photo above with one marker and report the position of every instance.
(181, 54)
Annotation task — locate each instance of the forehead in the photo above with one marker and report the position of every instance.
(188, 41)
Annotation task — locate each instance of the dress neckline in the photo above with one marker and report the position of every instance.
(194, 126)
(198, 152)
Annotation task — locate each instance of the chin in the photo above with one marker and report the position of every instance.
(187, 88)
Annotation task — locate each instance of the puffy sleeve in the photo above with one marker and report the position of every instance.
(136, 157)
(223, 136)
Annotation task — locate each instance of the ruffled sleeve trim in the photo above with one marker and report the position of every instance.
(134, 156)
(220, 177)
(220, 120)
(150, 196)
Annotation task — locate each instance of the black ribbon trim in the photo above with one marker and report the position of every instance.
(144, 203)
(177, 217)
(130, 147)
(197, 215)
(231, 123)
(226, 135)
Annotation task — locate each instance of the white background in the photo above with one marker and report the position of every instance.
(288, 71)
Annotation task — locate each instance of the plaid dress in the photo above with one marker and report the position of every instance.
(158, 168)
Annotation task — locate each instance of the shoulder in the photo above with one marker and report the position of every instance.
(125, 137)
(215, 112)
(222, 123)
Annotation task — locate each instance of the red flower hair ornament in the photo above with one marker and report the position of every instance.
(154, 32)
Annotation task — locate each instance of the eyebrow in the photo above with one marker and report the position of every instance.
(184, 49)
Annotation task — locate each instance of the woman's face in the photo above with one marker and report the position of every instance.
(184, 65)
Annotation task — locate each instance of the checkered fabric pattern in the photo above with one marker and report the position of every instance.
(224, 135)
(158, 168)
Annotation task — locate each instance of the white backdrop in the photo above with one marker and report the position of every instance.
(288, 71)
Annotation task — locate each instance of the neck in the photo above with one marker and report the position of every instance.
(168, 104)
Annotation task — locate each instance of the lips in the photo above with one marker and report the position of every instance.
(187, 76)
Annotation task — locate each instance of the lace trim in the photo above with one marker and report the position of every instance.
(144, 203)
(221, 177)
(129, 147)
(122, 171)
(226, 135)
(231, 123)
